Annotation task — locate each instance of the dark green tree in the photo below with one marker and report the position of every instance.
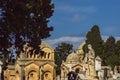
(118, 52)
(24, 21)
(113, 60)
(118, 48)
(93, 37)
(112, 52)
(109, 50)
(110, 46)
(61, 52)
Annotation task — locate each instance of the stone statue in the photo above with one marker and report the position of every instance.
(91, 61)
(91, 55)
(91, 51)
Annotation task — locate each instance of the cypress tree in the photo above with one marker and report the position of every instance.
(110, 46)
(118, 48)
(93, 37)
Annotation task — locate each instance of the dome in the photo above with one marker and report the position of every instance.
(73, 57)
(45, 45)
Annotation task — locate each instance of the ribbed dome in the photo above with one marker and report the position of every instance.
(73, 57)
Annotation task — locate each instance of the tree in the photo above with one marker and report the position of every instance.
(118, 48)
(110, 46)
(93, 37)
(112, 52)
(113, 60)
(61, 52)
(24, 21)
(109, 51)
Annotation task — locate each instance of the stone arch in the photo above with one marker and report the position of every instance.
(48, 69)
(32, 75)
(78, 67)
(47, 75)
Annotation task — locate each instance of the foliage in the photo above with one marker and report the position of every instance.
(61, 52)
(24, 21)
(93, 37)
(113, 60)
(117, 49)
(111, 49)
(110, 46)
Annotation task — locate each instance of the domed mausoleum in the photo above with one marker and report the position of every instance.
(72, 63)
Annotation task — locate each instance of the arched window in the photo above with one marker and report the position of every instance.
(32, 75)
(48, 55)
(44, 55)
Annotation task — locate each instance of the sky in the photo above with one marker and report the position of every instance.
(72, 19)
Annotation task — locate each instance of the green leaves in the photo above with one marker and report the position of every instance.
(61, 52)
(17, 20)
(113, 60)
(93, 37)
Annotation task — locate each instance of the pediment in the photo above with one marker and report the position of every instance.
(52, 64)
(77, 65)
(31, 62)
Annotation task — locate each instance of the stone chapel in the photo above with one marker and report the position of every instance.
(32, 67)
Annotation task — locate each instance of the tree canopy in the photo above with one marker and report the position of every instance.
(24, 21)
(61, 52)
(112, 52)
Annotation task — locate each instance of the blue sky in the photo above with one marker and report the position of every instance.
(73, 18)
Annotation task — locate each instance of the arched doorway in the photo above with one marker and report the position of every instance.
(77, 70)
(48, 75)
(32, 75)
